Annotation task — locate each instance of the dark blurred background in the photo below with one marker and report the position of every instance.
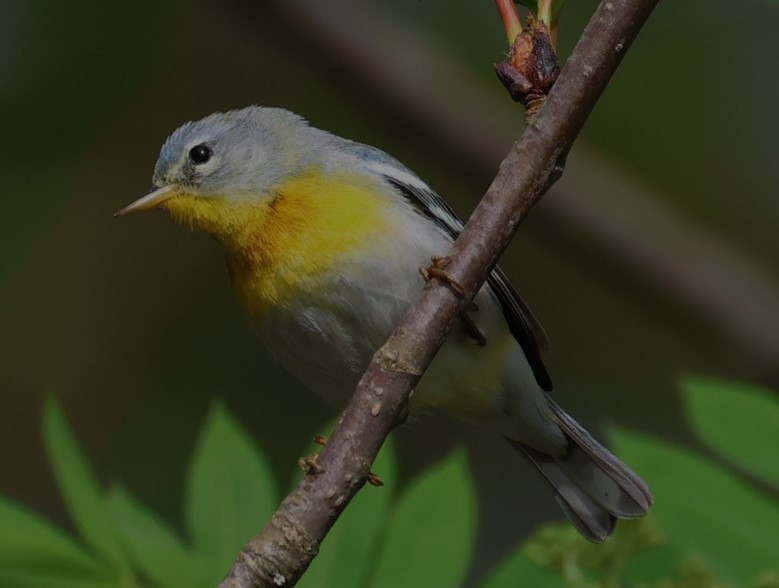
(655, 256)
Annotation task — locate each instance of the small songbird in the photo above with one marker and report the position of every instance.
(324, 238)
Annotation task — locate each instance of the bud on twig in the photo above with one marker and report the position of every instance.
(531, 67)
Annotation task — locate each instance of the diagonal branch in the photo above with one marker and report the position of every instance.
(283, 550)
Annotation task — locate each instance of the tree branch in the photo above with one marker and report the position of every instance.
(283, 550)
(619, 226)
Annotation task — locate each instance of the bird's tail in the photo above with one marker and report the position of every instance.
(593, 487)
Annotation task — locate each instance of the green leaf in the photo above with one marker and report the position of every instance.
(430, 535)
(518, 570)
(30, 544)
(154, 547)
(739, 421)
(231, 491)
(80, 489)
(348, 553)
(704, 510)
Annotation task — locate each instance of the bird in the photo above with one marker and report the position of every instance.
(324, 237)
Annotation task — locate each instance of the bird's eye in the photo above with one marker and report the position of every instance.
(200, 154)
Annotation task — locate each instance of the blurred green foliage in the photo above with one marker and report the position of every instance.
(708, 529)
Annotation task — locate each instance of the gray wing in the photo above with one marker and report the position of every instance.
(523, 324)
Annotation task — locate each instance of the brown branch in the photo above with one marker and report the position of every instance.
(283, 550)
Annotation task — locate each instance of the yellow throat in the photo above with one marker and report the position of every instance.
(283, 243)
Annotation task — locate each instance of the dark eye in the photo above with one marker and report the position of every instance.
(199, 154)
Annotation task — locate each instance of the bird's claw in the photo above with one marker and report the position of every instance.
(309, 463)
(437, 270)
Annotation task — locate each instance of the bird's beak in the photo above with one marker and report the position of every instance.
(151, 200)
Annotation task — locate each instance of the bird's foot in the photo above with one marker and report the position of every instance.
(437, 270)
(373, 479)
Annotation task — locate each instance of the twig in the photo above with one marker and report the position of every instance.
(283, 550)
(510, 18)
(544, 14)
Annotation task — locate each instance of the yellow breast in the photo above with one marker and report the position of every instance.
(286, 242)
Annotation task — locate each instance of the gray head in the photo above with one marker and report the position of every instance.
(232, 153)
(237, 154)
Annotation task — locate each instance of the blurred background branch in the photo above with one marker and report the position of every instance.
(669, 257)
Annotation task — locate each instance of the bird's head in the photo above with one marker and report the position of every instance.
(225, 161)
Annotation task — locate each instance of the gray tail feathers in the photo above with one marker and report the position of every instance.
(593, 487)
